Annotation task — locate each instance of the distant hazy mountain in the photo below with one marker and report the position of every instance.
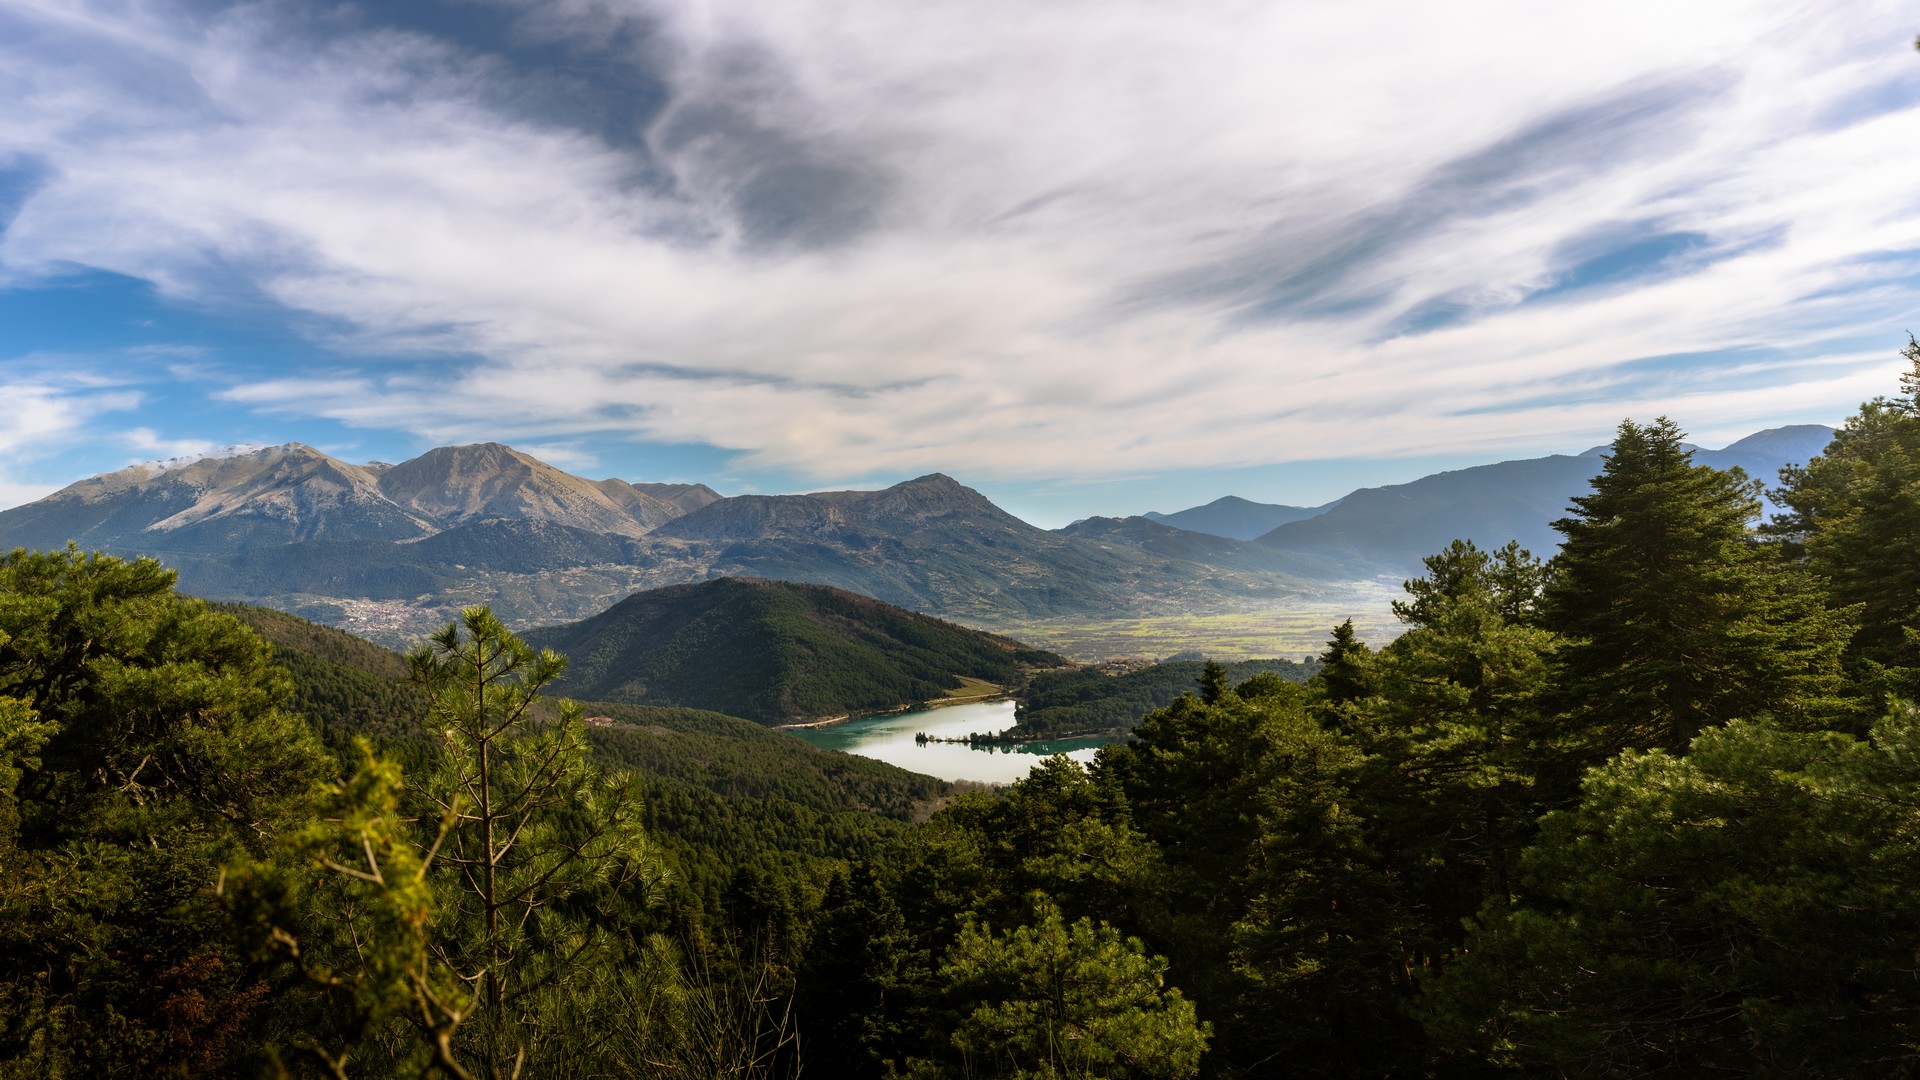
(1237, 518)
(1140, 537)
(1390, 529)
(1762, 453)
(775, 651)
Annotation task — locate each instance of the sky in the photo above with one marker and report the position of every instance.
(1087, 256)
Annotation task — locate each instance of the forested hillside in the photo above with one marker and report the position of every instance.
(776, 651)
(715, 783)
(1085, 701)
(1648, 810)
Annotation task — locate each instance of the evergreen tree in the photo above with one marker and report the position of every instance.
(1278, 917)
(1677, 619)
(1746, 909)
(1510, 580)
(1052, 999)
(482, 950)
(1346, 673)
(857, 981)
(1213, 682)
(1453, 737)
(142, 746)
(1854, 514)
(533, 824)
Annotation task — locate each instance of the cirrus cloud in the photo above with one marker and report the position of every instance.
(1007, 240)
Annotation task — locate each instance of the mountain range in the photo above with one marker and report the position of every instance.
(260, 496)
(391, 551)
(1236, 518)
(1389, 529)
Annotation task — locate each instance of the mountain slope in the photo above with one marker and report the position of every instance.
(775, 651)
(653, 505)
(1762, 453)
(934, 545)
(453, 485)
(392, 551)
(1154, 540)
(250, 495)
(930, 544)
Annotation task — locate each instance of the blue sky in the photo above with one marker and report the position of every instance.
(1089, 257)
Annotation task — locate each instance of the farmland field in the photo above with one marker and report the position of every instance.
(1295, 629)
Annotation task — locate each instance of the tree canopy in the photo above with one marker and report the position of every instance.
(1677, 617)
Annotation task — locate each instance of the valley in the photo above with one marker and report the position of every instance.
(847, 540)
(1297, 627)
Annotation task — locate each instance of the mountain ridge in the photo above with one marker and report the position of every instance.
(393, 551)
(1390, 528)
(294, 493)
(1236, 518)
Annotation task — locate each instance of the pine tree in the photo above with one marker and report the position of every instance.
(1744, 910)
(1346, 673)
(1213, 682)
(532, 823)
(1854, 514)
(142, 745)
(1677, 618)
(1509, 579)
(1453, 733)
(1056, 999)
(474, 937)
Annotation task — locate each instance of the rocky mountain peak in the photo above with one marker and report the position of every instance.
(926, 497)
(455, 484)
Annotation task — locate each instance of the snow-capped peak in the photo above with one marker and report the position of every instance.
(155, 468)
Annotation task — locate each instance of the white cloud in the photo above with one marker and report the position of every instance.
(565, 455)
(1004, 239)
(38, 421)
(150, 445)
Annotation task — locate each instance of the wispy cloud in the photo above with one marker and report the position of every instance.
(150, 444)
(1004, 239)
(39, 421)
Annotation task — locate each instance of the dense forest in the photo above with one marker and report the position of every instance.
(1651, 807)
(1086, 701)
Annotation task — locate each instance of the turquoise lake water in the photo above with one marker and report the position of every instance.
(890, 739)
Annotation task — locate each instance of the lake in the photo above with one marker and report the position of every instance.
(890, 739)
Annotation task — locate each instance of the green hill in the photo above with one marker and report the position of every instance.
(775, 651)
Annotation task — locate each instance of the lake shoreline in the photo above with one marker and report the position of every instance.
(1002, 739)
(892, 738)
(918, 706)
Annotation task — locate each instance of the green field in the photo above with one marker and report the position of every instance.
(1294, 629)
